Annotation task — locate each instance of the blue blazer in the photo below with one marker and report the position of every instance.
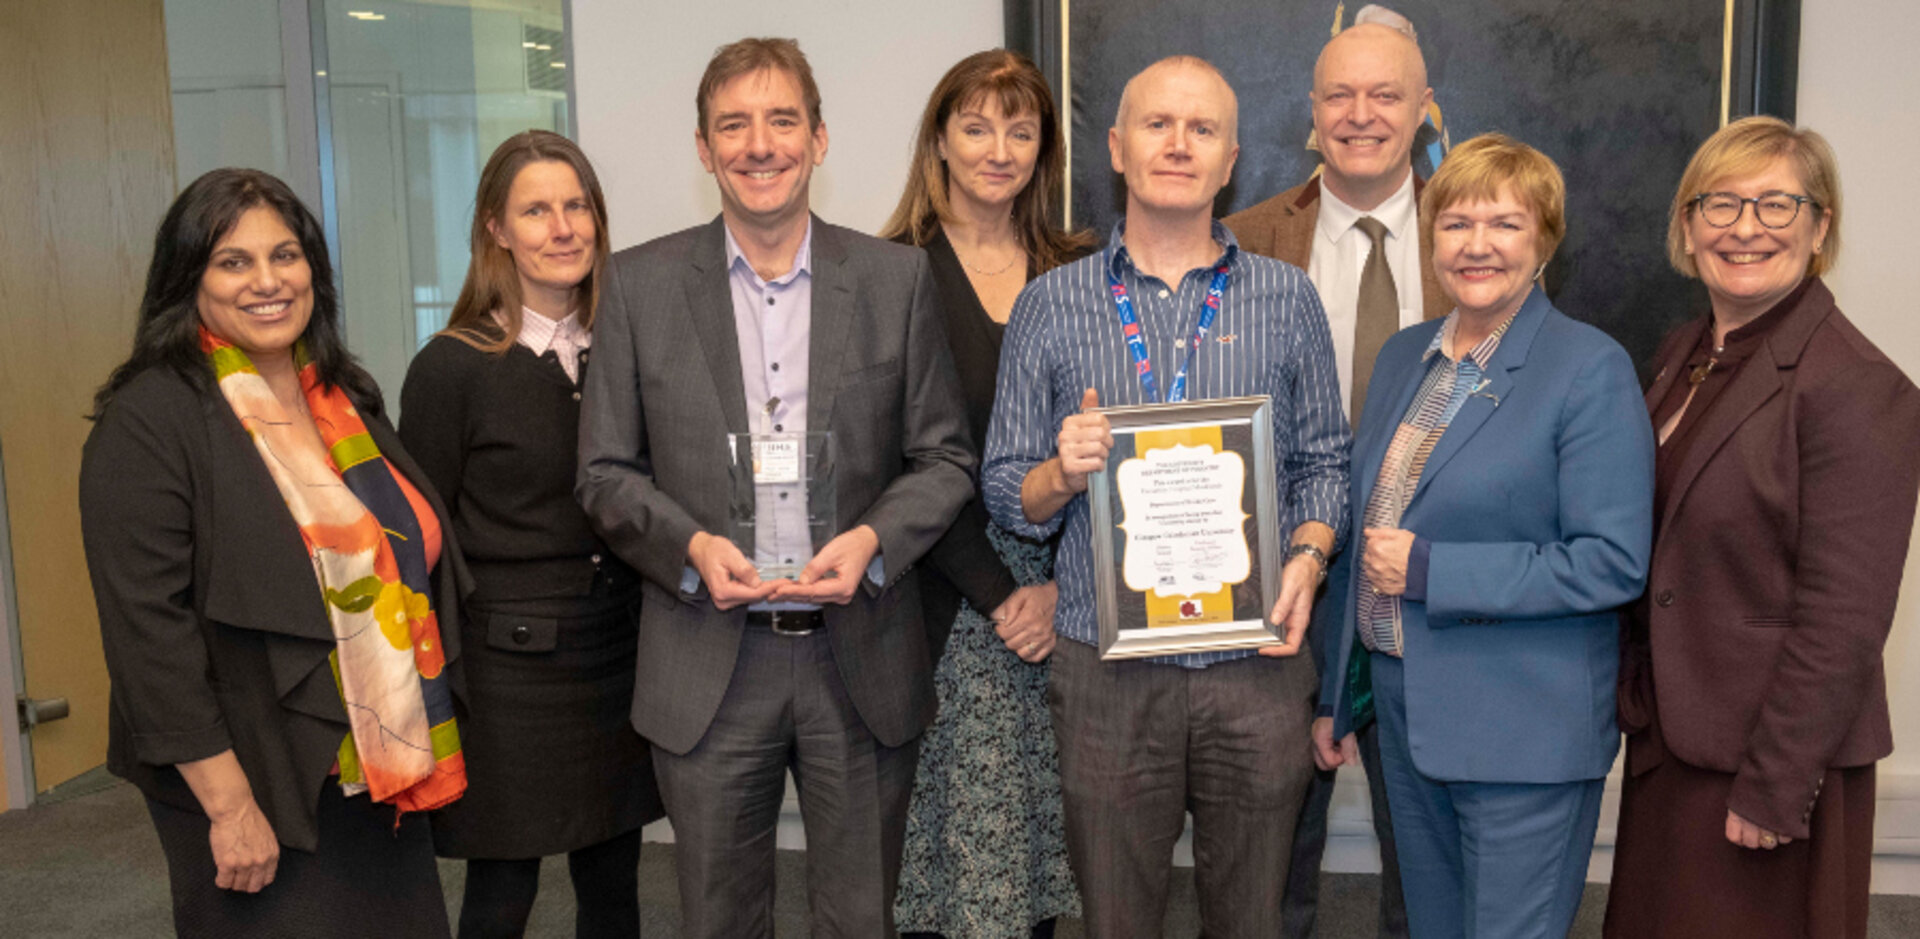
(1538, 505)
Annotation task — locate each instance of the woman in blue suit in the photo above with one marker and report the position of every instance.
(1503, 473)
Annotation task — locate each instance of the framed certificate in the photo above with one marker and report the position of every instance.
(1186, 529)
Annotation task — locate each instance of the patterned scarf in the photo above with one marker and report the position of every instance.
(370, 558)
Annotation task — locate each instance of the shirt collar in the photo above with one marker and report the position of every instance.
(1398, 212)
(538, 333)
(1120, 262)
(802, 257)
(1481, 354)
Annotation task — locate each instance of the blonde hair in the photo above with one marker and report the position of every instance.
(1480, 168)
(1749, 146)
(1012, 81)
(493, 282)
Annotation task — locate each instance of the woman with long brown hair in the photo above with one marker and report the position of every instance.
(491, 410)
(985, 852)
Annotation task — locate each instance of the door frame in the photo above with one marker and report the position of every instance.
(15, 754)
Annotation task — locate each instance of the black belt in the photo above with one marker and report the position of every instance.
(787, 622)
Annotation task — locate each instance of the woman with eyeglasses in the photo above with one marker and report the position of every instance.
(1752, 687)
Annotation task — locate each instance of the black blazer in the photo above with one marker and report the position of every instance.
(212, 622)
(963, 562)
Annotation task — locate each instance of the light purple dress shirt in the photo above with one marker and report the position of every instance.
(773, 326)
(773, 322)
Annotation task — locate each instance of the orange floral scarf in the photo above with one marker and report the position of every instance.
(370, 559)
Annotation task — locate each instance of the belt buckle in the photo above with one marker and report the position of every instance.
(776, 620)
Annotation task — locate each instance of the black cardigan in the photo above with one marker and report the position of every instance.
(215, 633)
(963, 561)
(497, 435)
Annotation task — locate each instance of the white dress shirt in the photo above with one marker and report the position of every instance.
(1340, 252)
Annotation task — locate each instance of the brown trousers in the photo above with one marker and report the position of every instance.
(1142, 745)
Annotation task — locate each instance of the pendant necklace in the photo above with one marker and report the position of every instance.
(1003, 268)
(1701, 371)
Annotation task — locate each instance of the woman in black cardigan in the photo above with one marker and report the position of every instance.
(985, 850)
(234, 613)
(491, 409)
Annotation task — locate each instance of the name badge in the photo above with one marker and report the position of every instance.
(776, 461)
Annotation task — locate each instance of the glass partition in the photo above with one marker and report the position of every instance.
(229, 86)
(381, 115)
(419, 94)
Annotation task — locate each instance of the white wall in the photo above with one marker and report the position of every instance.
(637, 65)
(1857, 86)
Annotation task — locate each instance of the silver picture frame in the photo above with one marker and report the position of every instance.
(1246, 428)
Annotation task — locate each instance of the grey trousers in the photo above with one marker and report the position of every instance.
(1310, 845)
(787, 710)
(1143, 745)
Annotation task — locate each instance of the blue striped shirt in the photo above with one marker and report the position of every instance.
(1270, 338)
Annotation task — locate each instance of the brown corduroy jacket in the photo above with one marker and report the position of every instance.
(1282, 227)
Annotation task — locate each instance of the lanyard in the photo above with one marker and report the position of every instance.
(1137, 344)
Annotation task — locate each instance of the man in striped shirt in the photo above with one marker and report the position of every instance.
(1216, 734)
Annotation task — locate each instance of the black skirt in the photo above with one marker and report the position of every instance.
(553, 762)
(366, 877)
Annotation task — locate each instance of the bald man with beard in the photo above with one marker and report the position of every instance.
(1146, 741)
(1369, 97)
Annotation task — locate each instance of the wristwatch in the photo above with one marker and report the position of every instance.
(1317, 554)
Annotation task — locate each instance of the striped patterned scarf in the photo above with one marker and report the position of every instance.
(370, 558)
(1447, 386)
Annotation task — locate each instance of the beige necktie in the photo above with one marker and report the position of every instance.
(1376, 315)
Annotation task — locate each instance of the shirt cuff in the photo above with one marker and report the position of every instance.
(689, 581)
(877, 571)
(1417, 561)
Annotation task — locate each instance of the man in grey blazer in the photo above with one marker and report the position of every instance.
(768, 320)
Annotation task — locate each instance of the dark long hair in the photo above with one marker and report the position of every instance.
(493, 282)
(1011, 80)
(168, 332)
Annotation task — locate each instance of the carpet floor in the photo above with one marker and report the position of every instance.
(84, 863)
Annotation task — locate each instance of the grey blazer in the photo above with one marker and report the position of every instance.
(665, 390)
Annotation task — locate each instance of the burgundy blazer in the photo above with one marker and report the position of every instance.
(1777, 562)
(1282, 227)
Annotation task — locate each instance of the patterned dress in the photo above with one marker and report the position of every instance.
(986, 853)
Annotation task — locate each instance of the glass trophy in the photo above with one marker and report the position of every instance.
(780, 502)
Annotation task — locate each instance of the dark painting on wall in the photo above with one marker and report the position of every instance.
(1618, 93)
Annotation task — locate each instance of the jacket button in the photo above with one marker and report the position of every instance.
(521, 636)
(1665, 598)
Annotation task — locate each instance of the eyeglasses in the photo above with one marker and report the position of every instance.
(1773, 210)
